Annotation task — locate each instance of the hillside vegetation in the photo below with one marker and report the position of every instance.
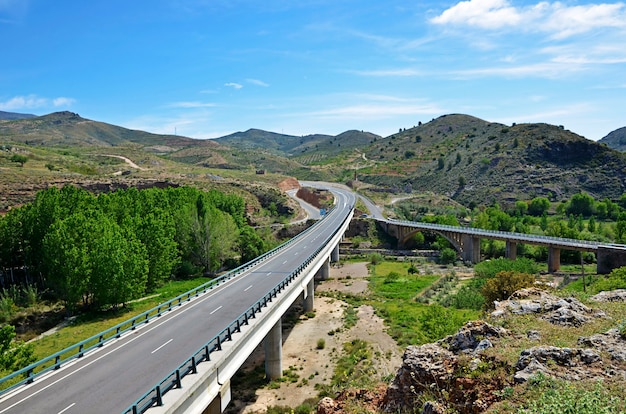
(466, 159)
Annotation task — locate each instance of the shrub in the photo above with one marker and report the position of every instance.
(504, 284)
(447, 256)
(321, 343)
(490, 268)
(376, 258)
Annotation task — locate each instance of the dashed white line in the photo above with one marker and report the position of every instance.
(211, 313)
(162, 346)
(248, 288)
(66, 408)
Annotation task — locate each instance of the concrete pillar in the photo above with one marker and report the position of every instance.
(511, 250)
(475, 250)
(218, 405)
(324, 272)
(309, 295)
(471, 249)
(334, 254)
(274, 352)
(554, 259)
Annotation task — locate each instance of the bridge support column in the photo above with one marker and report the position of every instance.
(274, 352)
(218, 405)
(511, 250)
(471, 249)
(334, 254)
(554, 259)
(308, 299)
(324, 272)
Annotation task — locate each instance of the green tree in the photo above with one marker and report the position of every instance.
(504, 284)
(14, 355)
(19, 158)
(538, 206)
(581, 203)
(447, 256)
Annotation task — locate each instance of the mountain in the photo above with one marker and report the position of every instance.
(477, 162)
(8, 116)
(461, 157)
(294, 146)
(68, 129)
(616, 139)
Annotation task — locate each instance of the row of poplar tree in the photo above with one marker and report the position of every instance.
(104, 250)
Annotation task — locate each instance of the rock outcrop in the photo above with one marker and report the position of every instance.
(558, 311)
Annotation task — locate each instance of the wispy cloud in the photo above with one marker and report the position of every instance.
(34, 102)
(556, 19)
(375, 111)
(234, 85)
(257, 82)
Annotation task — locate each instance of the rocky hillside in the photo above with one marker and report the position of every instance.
(533, 344)
(616, 139)
(466, 159)
(475, 161)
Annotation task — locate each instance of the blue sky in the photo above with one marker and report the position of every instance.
(207, 68)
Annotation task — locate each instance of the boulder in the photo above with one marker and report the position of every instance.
(566, 363)
(472, 338)
(618, 295)
(423, 367)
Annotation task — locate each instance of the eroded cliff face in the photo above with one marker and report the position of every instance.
(472, 370)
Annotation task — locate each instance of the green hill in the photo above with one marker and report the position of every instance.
(475, 161)
(616, 139)
(467, 159)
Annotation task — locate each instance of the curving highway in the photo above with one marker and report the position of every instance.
(111, 378)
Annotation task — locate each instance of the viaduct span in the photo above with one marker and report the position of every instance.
(467, 242)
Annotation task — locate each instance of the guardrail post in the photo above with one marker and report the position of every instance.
(178, 385)
(135, 411)
(56, 362)
(194, 368)
(80, 351)
(100, 343)
(159, 396)
(29, 375)
(219, 343)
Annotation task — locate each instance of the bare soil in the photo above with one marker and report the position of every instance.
(301, 355)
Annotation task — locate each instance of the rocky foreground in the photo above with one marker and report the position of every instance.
(472, 370)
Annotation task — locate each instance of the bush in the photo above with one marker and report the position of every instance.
(504, 284)
(447, 256)
(375, 258)
(321, 343)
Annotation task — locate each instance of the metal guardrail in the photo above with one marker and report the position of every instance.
(154, 397)
(78, 350)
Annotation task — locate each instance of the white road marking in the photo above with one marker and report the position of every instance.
(268, 273)
(66, 408)
(211, 313)
(285, 262)
(248, 288)
(162, 346)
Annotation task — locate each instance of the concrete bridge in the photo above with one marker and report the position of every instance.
(467, 243)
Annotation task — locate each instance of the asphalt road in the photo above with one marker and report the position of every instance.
(113, 377)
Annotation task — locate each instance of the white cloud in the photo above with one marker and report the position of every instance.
(63, 101)
(257, 82)
(234, 85)
(375, 111)
(556, 19)
(33, 102)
